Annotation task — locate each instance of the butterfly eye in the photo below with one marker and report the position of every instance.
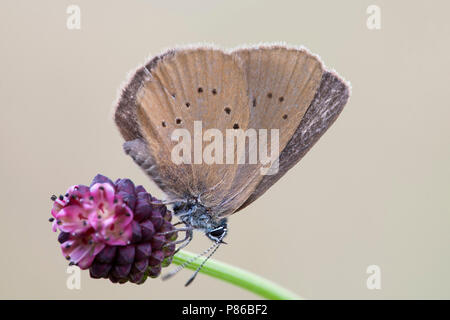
(217, 234)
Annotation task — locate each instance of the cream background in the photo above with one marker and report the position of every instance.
(374, 190)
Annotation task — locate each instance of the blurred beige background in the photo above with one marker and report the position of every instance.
(374, 190)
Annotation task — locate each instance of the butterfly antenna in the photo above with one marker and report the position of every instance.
(216, 246)
(182, 266)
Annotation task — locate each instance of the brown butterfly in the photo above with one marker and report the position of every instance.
(261, 87)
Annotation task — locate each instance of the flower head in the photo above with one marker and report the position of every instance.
(117, 230)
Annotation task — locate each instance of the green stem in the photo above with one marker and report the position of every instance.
(238, 277)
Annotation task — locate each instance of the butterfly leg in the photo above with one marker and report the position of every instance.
(178, 223)
(185, 241)
(174, 230)
(186, 238)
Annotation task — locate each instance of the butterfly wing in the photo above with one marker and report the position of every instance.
(174, 91)
(270, 87)
(328, 103)
(282, 83)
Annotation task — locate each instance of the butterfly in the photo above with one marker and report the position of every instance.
(265, 87)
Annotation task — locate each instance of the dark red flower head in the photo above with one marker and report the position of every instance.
(116, 230)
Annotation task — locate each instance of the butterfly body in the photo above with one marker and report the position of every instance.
(194, 214)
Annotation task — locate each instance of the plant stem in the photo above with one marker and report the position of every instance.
(238, 277)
